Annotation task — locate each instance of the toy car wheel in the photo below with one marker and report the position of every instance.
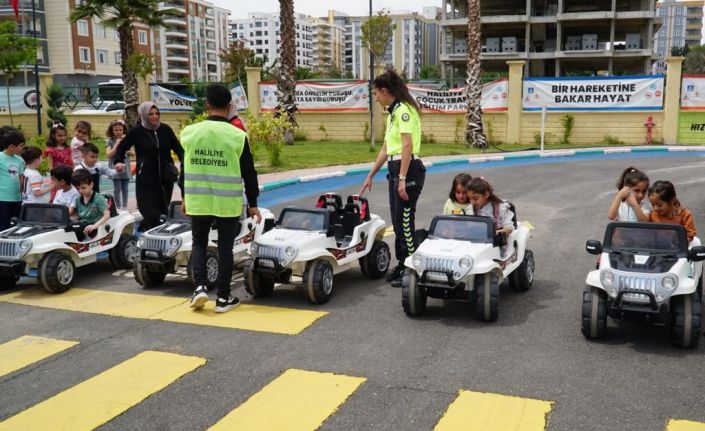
(413, 296)
(685, 320)
(147, 278)
(319, 281)
(8, 282)
(487, 289)
(255, 284)
(211, 269)
(56, 272)
(376, 263)
(522, 278)
(593, 323)
(125, 252)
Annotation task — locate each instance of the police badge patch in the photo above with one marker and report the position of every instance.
(405, 117)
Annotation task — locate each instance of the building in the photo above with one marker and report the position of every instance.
(554, 37)
(27, 28)
(682, 24)
(261, 32)
(328, 43)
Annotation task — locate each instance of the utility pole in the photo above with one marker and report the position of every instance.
(36, 73)
(372, 115)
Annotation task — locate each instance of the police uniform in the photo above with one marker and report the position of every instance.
(403, 118)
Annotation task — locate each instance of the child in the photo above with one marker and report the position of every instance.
(629, 203)
(234, 119)
(91, 206)
(458, 202)
(667, 208)
(81, 135)
(37, 187)
(11, 169)
(121, 180)
(485, 203)
(66, 194)
(89, 162)
(57, 152)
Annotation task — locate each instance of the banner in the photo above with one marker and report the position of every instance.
(22, 100)
(494, 98)
(171, 101)
(693, 92)
(623, 93)
(320, 96)
(239, 97)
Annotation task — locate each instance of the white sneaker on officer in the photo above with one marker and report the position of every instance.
(199, 298)
(224, 304)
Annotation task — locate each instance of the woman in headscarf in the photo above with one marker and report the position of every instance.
(153, 142)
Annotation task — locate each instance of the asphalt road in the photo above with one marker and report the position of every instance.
(633, 380)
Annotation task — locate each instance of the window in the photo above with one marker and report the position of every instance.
(99, 31)
(142, 37)
(84, 54)
(679, 10)
(118, 57)
(101, 56)
(82, 26)
(677, 32)
(679, 20)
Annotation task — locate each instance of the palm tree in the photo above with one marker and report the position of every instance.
(474, 134)
(120, 15)
(286, 81)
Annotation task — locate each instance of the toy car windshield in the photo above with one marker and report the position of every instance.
(463, 228)
(315, 220)
(659, 238)
(53, 215)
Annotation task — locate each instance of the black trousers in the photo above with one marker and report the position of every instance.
(227, 229)
(404, 212)
(7, 211)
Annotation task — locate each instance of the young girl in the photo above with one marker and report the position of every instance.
(485, 203)
(115, 133)
(457, 202)
(57, 152)
(667, 208)
(629, 203)
(81, 135)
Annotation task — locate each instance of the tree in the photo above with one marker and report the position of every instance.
(141, 64)
(121, 15)
(15, 50)
(236, 58)
(55, 98)
(695, 60)
(474, 133)
(286, 80)
(376, 34)
(305, 73)
(430, 71)
(679, 51)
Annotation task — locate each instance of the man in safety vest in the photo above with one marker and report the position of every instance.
(217, 160)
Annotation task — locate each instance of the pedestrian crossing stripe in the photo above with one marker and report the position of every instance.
(683, 425)
(279, 320)
(477, 411)
(20, 352)
(298, 400)
(99, 399)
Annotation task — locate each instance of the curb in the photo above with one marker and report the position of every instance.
(488, 158)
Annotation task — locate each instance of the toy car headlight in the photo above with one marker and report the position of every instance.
(289, 255)
(607, 278)
(254, 248)
(417, 260)
(141, 241)
(465, 263)
(669, 282)
(23, 248)
(173, 247)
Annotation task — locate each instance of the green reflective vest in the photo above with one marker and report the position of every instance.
(403, 119)
(212, 179)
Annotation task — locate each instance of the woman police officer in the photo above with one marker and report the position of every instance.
(402, 143)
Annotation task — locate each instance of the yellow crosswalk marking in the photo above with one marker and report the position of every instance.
(476, 411)
(682, 425)
(23, 351)
(278, 320)
(99, 399)
(297, 400)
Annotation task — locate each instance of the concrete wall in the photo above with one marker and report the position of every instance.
(691, 127)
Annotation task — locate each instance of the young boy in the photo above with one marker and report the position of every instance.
(66, 194)
(38, 187)
(91, 206)
(11, 168)
(89, 162)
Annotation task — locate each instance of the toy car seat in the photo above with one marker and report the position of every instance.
(363, 204)
(348, 219)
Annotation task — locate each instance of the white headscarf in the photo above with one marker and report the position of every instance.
(143, 111)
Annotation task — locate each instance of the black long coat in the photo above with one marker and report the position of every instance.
(153, 150)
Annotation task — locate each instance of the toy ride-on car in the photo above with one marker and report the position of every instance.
(646, 271)
(46, 240)
(167, 248)
(317, 243)
(463, 258)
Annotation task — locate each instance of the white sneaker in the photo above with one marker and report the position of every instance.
(199, 298)
(224, 304)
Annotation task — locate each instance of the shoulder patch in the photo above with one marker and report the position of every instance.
(405, 117)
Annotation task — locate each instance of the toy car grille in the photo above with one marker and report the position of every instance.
(637, 283)
(8, 249)
(151, 243)
(439, 264)
(269, 252)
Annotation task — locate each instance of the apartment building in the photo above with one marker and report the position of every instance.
(554, 37)
(26, 27)
(261, 32)
(682, 24)
(328, 43)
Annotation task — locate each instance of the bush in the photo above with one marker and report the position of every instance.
(365, 134)
(323, 129)
(299, 135)
(568, 121)
(427, 139)
(612, 140)
(55, 97)
(459, 132)
(269, 131)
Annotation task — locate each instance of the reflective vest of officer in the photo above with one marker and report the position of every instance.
(403, 118)
(212, 180)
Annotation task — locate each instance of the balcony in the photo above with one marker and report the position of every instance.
(175, 21)
(175, 32)
(178, 44)
(173, 5)
(176, 56)
(176, 69)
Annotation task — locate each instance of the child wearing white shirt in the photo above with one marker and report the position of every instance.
(37, 187)
(66, 194)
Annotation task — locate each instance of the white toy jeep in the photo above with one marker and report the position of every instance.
(463, 258)
(314, 244)
(167, 248)
(46, 240)
(648, 272)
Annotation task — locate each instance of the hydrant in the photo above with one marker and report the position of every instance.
(649, 128)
